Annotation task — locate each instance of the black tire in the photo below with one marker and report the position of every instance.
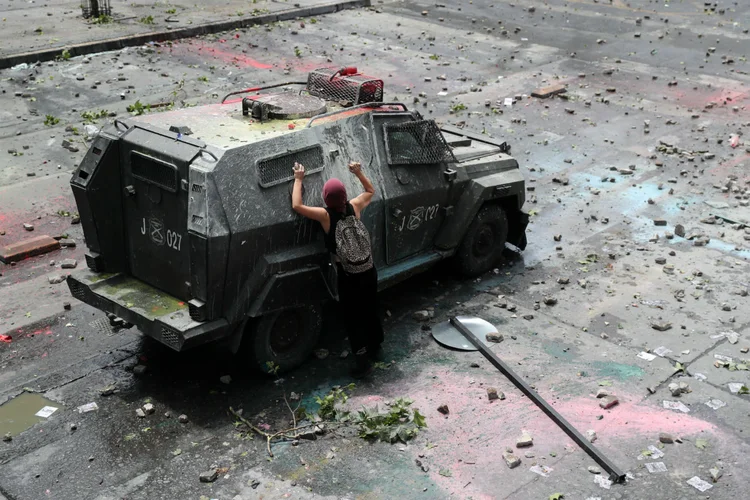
(284, 339)
(483, 243)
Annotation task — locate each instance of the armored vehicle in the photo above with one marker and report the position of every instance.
(192, 238)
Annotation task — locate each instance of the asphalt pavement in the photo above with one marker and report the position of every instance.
(648, 141)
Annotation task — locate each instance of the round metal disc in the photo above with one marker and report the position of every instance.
(291, 106)
(447, 335)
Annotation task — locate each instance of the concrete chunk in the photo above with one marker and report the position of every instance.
(28, 248)
(546, 92)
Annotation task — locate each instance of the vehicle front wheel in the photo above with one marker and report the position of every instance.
(283, 339)
(483, 243)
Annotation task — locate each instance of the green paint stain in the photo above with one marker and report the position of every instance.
(617, 370)
(559, 351)
(139, 296)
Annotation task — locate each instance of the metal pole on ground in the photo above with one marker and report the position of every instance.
(615, 474)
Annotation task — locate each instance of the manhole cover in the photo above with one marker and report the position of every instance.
(292, 106)
(447, 335)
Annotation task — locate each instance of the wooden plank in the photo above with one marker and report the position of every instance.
(28, 248)
(546, 92)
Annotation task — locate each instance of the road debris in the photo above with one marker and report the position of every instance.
(699, 484)
(88, 407)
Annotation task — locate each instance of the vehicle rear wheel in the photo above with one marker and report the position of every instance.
(483, 242)
(284, 339)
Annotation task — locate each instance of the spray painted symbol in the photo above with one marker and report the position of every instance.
(156, 230)
(415, 218)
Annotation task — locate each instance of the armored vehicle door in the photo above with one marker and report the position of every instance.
(416, 187)
(155, 176)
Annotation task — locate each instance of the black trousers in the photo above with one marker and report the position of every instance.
(358, 303)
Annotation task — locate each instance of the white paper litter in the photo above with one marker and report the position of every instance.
(700, 376)
(735, 387)
(594, 498)
(46, 411)
(732, 336)
(647, 356)
(542, 470)
(676, 405)
(655, 467)
(602, 481)
(721, 357)
(442, 93)
(662, 351)
(508, 101)
(88, 407)
(699, 484)
(656, 453)
(715, 403)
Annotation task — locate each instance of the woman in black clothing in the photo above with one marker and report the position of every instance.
(347, 239)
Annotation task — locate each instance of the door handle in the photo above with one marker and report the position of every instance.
(130, 190)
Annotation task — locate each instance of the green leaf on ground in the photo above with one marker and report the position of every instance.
(744, 390)
(679, 367)
(129, 437)
(556, 496)
(446, 473)
(701, 443)
(177, 452)
(605, 383)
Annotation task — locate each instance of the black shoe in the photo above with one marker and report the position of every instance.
(362, 367)
(376, 353)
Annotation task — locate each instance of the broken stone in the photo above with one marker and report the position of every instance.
(661, 260)
(421, 315)
(492, 394)
(108, 390)
(594, 469)
(602, 393)
(675, 389)
(443, 409)
(225, 379)
(494, 337)
(550, 91)
(149, 408)
(591, 435)
(660, 222)
(139, 370)
(661, 326)
(550, 301)
(54, 280)
(183, 419)
(7, 437)
(69, 264)
(608, 402)
(716, 473)
(140, 413)
(66, 306)
(525, 440)
(28, 227)
(665, 438)
(511, 460)
(209, 476)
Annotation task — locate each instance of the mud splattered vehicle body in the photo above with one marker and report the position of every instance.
(188, 220)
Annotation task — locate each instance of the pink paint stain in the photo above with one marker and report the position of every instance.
(223, 55)
(473, 437)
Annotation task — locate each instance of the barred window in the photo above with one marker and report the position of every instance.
(416, 143)
(278, 169)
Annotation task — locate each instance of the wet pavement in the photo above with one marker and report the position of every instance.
(655, 96)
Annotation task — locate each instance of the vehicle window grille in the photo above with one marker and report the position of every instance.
(349, 90)
(278, 169)
(416, 143)
(170, 338)
(77, 290)
(153, 171)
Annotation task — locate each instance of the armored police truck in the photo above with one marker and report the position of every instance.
(189, 227)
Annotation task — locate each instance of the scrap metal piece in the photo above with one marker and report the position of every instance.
(615, 474)
(445, 334)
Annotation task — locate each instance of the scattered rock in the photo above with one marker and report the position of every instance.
(602, 393)
(661, 326)
(594, 469)
(108, 390)
(421, 315)
(140, 413)
(149, 408)
(608, 402)
(443, 409)
(591, 435)
(209, 476)
(69, 264)
(665, 438)
(550, 301)
(492, 394)
(7, 437)
(183, 419)
(525, 440)
(679, 230)
(661, 260)
(494, 337)
(139, 370)
(54, 280)
(225, 379)
(716, 473)
(511, 460)
(28, 227)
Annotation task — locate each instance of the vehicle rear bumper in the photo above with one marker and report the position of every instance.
(155, 313)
